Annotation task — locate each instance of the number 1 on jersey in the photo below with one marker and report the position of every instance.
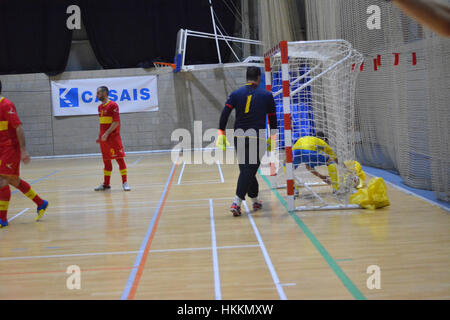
(247, 106)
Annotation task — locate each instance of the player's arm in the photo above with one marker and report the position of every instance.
(430, 13)
(24, 155)
(225, 116)
(14, 121)
(222, 141)
(110, 130)
(272, 114)
(317, 174)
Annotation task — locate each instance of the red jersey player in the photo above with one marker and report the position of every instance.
(12, 151)
(110, 140)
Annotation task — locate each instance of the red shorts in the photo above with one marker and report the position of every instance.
(10, 161)
(112, 148)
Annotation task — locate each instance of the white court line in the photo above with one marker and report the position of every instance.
(69, 255)
(289, 284)
(91, 155)
(102, 204)
(181, 173)
(140, 187)
(214, 253)
(19, 214)
(136, 162)
(206, 248)
(273, 273)
(220, 171)
(123, 252)
(199, 182)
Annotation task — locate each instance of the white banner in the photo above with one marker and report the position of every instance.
(78, 97)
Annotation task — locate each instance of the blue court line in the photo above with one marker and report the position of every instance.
(38, 180)
(396, 181)
(52, 247)
(126, 291)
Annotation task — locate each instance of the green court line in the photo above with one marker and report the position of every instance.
(343, 260)
(354, 291)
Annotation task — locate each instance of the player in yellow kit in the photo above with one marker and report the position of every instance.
(312, 152)
(315, 151)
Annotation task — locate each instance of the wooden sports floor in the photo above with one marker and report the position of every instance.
(172, 237)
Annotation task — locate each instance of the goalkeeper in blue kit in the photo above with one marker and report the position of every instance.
(252, 105)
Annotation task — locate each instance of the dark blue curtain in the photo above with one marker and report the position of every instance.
(123, 33)
(134, 33)
(34, 36)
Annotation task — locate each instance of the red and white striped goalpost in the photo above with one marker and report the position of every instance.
(268, 69)
(282, 48)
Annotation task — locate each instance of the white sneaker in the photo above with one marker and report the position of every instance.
(126, 187)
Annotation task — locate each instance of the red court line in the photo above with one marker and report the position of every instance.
(150, 240)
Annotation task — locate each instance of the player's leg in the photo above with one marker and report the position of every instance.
(241, 146)
(5, 196)
(5, 193)
(123, 173)
(312, 159)
(253, 189)
(333, 173)
(107, 171)
(241, 189)
(29, 192)
(311, 168)
(10, 171)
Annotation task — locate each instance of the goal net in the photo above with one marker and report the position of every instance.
(313, 83)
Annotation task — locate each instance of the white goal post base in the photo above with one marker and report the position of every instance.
(311, 184)
(328, 207)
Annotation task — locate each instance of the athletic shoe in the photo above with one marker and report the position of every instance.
(236, 210)
(102, 187)
(3, 224)
(257, 206)
(126, 187)
(41, 210)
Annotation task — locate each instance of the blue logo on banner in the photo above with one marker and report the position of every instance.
(68, 98)
(71, 97)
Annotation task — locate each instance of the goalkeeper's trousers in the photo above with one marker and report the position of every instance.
(249, 152)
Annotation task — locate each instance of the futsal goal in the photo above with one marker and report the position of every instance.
(313, 83)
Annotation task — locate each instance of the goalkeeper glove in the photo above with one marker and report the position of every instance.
(222, 142)
(271, 143)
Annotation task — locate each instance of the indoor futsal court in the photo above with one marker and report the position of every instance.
(124, 174)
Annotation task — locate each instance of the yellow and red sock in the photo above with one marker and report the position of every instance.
(107, 172)
(123, 169)
(5, 196)
(26, 189)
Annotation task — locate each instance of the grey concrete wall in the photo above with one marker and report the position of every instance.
(183, 99)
